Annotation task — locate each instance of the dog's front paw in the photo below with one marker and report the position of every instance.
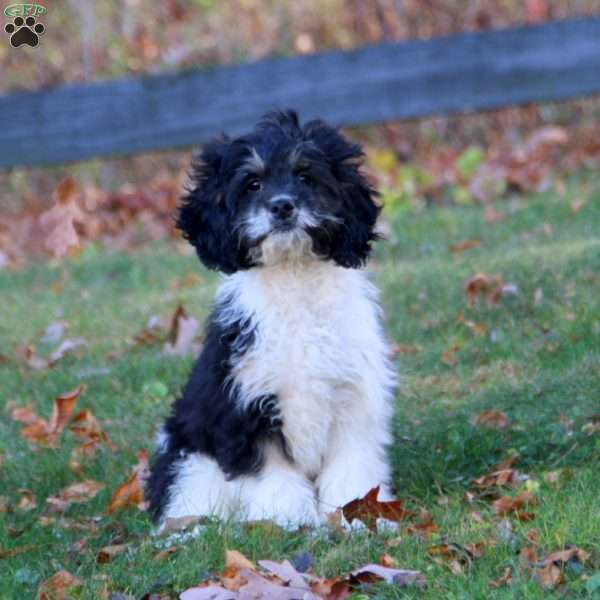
(282, 497)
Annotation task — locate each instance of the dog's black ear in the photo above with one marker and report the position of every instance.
(203, 215)
(351, 245)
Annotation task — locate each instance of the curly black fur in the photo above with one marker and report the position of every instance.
(215, 198)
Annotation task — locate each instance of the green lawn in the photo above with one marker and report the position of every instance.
(536, 358)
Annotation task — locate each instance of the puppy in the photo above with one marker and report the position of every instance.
(286, 415)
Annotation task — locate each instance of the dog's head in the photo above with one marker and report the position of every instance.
(282, 192)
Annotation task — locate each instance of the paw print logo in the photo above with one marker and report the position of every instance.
(24, 31)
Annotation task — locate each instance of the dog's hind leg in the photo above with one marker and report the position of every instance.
(199, 488)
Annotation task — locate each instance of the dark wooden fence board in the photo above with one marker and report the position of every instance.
(389, 81)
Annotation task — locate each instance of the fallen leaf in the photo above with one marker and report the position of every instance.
(385, 560)
(10, 552)
(512, 506)
(492, 418)
(399, 577)
(236, 560)
(27, 501)
(285, 571)
(449, 356)
(483, 285)
(166, 553)
(456, 557)
(181, 334)
(181, 523)
(59, 586)
(465, 245)
(106, 554)
(82, 491)
(505, 579)
(57, 224)
(477, 328)
(46, 433)
(425, 528)
(368, 509)
(131, 493)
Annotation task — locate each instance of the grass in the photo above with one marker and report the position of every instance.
(537, 362)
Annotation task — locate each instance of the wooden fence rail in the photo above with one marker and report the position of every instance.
(388, 81)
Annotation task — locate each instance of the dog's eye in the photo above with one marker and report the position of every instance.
(303, 178)
(253, 185)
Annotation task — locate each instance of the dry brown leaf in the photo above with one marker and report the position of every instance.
(478, 329)
(57, 225)
(505, 579)
(449, 356)
(385, 560)
(166, 553)
(501, 478)
(425, 528)
(512, 506)
(106, 554)
(236, 560)
(82, 491)
(27, 501)
(59, 586)
(33, 361)
(10, 552)
(181, 334)
(492, 418)
(180, 523)
(131, 493)
(550, 576)
(464, 245)
(483, 285)
(456, 557)
(399, 577)
(368, 509)
(47, 433)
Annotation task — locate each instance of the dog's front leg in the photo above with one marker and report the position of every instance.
(356, 463)
(279, 492)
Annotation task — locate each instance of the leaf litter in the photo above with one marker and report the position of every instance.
(241, 579)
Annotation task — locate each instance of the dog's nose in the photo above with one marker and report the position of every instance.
(282, 207)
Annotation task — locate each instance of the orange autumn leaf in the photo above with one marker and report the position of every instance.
(46, 433)
(483, 285)
(508, 505)
(465, 245)
(106, 554)
(57, 224)
(368, 509)
(82, 491)
(59, 586)
(425, 528)
(495, 419)
(131, 492)
(505, 579)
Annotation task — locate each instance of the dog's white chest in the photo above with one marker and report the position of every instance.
(312, 330)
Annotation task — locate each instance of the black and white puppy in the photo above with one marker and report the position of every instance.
(287, 412)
